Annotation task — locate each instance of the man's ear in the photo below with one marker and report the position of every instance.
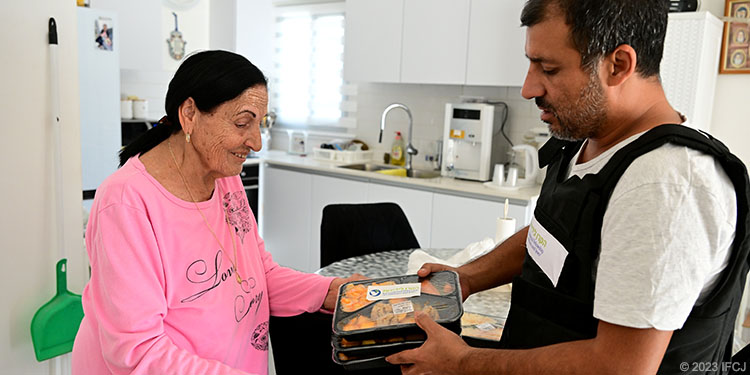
(187, 113)
(620, 65)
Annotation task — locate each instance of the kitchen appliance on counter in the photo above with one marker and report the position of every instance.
(472, 142)
(525, 175)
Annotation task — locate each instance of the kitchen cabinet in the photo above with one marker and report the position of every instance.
(462, 42)
(434, 41)
(329, 190)
(373, 40)
(459, 221)
(292, 201)
(495, 55)
(416, 204)
(285, 216)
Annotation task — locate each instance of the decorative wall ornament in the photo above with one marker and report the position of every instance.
(175, 42)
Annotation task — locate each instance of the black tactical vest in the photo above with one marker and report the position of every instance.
(572, 209)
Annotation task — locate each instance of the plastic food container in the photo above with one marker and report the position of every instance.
(375, 318)
(355, 363)
(345, 156)
(480, 330)
(362, 357)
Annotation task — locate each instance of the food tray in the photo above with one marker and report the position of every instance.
(342, 344)
(356, 318)
(344, 156)
(361, 364)
(481, 330)
(372, 351)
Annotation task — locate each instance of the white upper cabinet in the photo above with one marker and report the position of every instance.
(496, 44)
(373, 40)
(461, 42)
(435, 41)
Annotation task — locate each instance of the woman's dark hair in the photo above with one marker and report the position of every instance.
(210, 78)
(599, 26)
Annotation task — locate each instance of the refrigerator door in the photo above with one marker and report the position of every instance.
(99, 85)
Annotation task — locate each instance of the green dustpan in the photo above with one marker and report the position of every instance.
(55, 324)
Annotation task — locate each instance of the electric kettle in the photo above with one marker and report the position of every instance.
(530, 166)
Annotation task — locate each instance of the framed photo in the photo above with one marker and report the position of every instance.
(735, 47)
(103, 34)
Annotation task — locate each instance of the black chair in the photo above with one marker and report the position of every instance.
(347, 230)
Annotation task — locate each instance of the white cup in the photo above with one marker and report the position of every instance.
(512, 179)
(498, 176)
(126, 109)
(140, 108)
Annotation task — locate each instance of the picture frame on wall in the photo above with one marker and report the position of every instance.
(735, 46)
(103, 34)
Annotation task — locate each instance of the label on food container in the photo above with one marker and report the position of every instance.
(485, 327)
(379, 292)
(403, 307)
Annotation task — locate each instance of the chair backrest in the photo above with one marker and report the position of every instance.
(348, 230)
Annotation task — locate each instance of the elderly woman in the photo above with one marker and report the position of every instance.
(180, 280)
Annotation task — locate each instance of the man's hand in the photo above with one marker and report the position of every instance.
(441, 353)
(329, 303)
(429, 268)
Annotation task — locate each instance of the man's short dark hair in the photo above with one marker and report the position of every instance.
(600, 26)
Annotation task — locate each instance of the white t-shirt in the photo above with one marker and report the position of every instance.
(666, 236)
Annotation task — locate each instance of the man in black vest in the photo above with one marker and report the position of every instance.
(636, 257)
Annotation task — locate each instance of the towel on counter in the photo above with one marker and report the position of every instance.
(473, 250)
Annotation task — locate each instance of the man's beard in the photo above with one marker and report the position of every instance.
(582, 119)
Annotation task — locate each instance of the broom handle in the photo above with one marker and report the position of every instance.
(57, 134)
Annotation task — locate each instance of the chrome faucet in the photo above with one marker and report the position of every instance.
(410, 150)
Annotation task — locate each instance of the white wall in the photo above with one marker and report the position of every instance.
(730, 121)
(192, 23)
(223, 25)
(27, 223)
(255, 33)
(145, 64)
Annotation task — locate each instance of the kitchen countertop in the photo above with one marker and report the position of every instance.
(445, 184)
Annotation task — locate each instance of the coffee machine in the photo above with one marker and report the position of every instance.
(472, 142)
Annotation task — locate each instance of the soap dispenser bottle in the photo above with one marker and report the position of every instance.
(397, 150)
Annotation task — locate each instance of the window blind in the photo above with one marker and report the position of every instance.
(307, 87)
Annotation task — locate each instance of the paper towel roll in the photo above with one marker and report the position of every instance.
(506, 227)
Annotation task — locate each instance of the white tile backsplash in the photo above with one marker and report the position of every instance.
(427, 104)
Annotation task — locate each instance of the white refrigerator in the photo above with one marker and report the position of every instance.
(99, 82)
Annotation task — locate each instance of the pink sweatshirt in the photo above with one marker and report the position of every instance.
(163, 297)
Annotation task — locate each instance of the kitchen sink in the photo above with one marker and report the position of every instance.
(369, 167)
(411, 173)
(422, 173)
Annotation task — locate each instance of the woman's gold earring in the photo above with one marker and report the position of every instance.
(187, 137)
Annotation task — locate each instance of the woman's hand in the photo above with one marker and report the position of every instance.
(333, 290)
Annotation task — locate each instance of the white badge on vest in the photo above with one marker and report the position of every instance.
(548, 253)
